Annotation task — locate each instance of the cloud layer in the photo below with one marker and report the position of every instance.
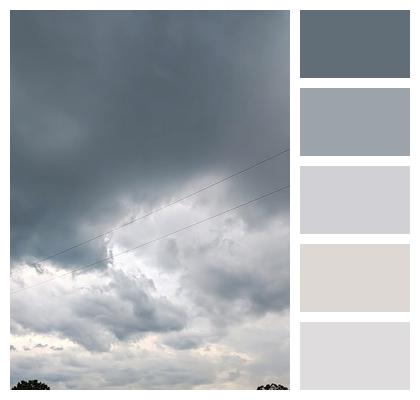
(115, 114)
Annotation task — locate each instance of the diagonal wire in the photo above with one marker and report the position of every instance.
(151, 241)
(156, 210)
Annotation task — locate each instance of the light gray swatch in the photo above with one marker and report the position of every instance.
(355, 277)
(355, 355)
(355, 122)
(355, 200)
(355, 44)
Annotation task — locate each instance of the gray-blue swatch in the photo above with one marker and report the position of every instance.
(355, 122)
(355, 44)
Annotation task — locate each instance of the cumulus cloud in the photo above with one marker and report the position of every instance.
(240, 362)
(251, 277)
(119, 308)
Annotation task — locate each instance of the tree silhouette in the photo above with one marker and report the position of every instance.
(31, 385)
(272, 386)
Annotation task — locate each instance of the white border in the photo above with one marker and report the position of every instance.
(294, 6)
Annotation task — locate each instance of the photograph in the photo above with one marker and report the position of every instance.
(149, 200)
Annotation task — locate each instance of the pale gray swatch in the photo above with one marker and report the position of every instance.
(355, 122)
(355, 44)
(355, 277)
(355, 200)
(355, 355)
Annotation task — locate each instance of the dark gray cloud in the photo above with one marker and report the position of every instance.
(115, 114)
(110, 110)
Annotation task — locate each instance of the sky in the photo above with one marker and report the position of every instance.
(116, 114)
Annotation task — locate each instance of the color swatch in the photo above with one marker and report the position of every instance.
(355, 277)
(355, 199)
(355, 44)
(355, 355)
(355, 122)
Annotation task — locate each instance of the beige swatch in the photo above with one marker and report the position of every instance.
(355, 277)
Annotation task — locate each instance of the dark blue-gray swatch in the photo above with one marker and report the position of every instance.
(355, 122)
(355, 44)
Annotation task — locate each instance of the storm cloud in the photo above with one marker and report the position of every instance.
(115, 114)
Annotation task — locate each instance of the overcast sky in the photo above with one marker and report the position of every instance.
(115, 114)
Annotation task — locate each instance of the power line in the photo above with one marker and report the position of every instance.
(151, 241)
(157, 209)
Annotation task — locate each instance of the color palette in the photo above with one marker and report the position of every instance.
(355, 44)
(355, 355)
(355, 122)
(354, 200)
